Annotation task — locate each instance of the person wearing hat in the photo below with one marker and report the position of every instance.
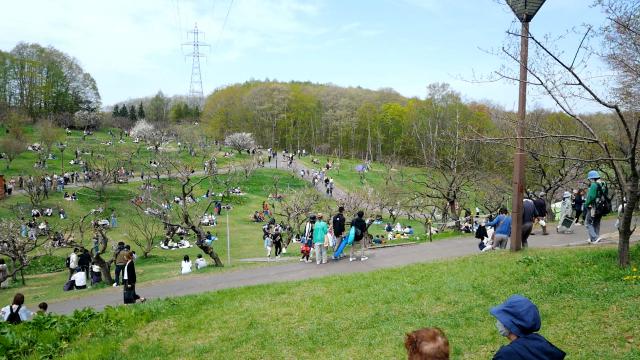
(518, 319)
(592, 220)
(541, 212)
(566, 207)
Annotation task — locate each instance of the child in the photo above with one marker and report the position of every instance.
(186, 265)
(42, 308)
(200, 262)
(427, 343)
(96, 274)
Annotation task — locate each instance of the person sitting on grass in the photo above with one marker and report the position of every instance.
(79, 279)
(408, 230)
(186, 265)
(16, 312)
(518, 320)
(378, 240)
(200, 262)
(427, 344)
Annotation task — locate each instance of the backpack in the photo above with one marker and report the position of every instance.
(14, 317)
(67, 262)
(602, 203)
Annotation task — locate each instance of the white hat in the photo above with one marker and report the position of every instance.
(566, 195)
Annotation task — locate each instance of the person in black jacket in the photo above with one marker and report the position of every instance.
(84, 262)
(338, 222)
(360, 236)
(541, 212)
(130, 296)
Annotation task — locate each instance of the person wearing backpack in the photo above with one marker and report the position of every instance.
(360, 236)
(596, 205)
(16, 312)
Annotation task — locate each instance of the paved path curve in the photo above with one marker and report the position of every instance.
(378, 259)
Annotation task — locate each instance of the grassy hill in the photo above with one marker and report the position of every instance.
(589, 309)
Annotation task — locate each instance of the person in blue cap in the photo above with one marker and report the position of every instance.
(518, 320)
(592, 218)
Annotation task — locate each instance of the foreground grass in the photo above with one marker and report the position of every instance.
(588, 310)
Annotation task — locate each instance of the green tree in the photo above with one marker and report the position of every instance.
(124, 112)
(141, 114)
(158, 109)
(116, 111)
(132, 113)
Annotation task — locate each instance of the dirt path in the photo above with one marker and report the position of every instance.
(378, 259)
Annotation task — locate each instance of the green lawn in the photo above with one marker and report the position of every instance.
(588, 310)
(137, 153)
(246, 241)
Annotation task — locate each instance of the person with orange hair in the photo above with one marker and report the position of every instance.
(427, 344)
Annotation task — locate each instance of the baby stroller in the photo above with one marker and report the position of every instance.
(565, 226)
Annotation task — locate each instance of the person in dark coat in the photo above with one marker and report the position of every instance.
(338, 222)
(541, 212)
(129, 275)
(361, 227)
(518, 319)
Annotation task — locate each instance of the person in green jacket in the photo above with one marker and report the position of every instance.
(320, 230)
(592, 220)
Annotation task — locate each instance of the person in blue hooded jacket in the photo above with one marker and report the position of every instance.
(518, 320)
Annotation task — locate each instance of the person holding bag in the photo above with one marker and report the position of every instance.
(130, 296)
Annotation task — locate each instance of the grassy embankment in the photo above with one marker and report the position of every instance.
(588, 309)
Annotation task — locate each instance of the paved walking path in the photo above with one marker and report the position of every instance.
(378, 259)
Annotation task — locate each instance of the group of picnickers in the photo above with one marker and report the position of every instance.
(593, 206)
(320, 235)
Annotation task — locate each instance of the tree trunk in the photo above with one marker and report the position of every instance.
(624, 229)
(104, 269)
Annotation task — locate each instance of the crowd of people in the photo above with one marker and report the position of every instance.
(592, 204)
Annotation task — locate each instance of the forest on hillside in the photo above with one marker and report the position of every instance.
(344, 122)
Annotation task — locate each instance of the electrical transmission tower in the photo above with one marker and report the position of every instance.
(196, 96)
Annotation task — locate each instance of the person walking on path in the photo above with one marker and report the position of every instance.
(592, 217)
(338, 222)
(518, 319)
(129, 281)
(307, 239)
(120, 260)
(360, 236)
(502, 226)
(541, 212)
(320, 230)
(528, 216)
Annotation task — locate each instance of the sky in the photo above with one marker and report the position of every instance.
(134, 48)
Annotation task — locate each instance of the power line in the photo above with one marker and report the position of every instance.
(224, 24)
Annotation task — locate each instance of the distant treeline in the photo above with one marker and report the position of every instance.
(339, 121)
(44, 82)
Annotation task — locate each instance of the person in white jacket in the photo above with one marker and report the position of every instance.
(186, 265)
(73, 262)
